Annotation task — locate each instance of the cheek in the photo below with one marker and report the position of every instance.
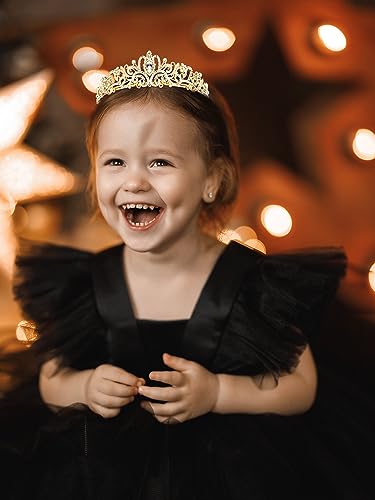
(182, 190)
(104, 188)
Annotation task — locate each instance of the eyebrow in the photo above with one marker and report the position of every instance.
(112, 152)
(154, 152)
(166, 152)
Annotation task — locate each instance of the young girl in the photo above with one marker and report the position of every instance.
(172, 366)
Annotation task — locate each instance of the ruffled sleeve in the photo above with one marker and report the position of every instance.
(279, 309)
(53, 285)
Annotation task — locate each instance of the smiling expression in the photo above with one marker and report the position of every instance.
(151, 175)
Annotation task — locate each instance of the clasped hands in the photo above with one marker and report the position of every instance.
(192, 390)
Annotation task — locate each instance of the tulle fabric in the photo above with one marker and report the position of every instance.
(262, 310)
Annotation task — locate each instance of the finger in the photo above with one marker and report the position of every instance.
(117, 374)
(176, 362)
(106, 412)
(115, 389)
(162, 410)
(160, 393)
(172, 378)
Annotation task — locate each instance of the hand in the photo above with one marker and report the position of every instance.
(193, 391)
(109, 388)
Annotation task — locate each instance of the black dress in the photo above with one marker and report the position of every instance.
(255, 315)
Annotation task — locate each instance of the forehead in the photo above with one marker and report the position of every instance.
(147, 122)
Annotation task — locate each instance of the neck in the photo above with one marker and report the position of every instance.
(176, 258)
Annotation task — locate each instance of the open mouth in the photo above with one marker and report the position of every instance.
(141, 215)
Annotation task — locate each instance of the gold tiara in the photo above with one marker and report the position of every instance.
(150, 71)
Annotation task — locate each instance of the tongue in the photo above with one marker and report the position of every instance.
(143, 215)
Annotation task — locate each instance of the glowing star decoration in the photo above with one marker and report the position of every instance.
(18, 104)
(25, 174)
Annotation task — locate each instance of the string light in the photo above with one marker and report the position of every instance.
(218, 39)
(329, 37)
(87, 58)
(277, 220)
(91, 79)
(364, 144)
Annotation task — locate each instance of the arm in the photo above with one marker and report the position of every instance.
(105, 389)
(62, 387)
(294, 393)
(193, 391)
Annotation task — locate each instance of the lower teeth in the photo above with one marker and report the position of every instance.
(141, 223)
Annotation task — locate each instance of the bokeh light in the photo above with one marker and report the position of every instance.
(87, 58)
(256, 244)
(245, 233)
(91, 79)
(364, 144)
(26, 332)
(277, 220)
(218, 39)
(371, 276)
(330, 37)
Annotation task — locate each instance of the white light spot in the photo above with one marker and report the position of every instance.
(218, 39)
(332, 37)
(364, 144)
(277, 220)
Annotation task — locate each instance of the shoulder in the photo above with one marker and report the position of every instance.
(296, 282)
(280, 303)
(54, 286)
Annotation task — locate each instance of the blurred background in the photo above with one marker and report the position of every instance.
(299, 76)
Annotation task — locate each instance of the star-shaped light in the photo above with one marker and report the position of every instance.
(25, 174)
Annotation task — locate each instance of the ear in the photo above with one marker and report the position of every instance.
(213, 180)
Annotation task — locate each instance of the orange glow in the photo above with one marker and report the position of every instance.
(87, 58)
(218, 39)
(330, 37)
(277, 220)
(91, 79)
(364, 144)
(371, 277)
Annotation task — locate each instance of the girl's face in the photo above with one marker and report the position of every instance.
(151, 176)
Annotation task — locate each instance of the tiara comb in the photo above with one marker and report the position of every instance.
(151, 71)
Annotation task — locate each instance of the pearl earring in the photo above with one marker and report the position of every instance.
(210, 195)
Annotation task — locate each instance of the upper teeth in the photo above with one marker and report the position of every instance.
(139, 205)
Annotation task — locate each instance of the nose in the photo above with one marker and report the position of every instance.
(135, 179)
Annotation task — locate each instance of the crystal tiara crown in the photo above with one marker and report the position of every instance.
(150, 71)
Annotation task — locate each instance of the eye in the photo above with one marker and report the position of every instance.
(159, 163)
(114, 162)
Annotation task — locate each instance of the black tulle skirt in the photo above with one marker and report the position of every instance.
(75, 454)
